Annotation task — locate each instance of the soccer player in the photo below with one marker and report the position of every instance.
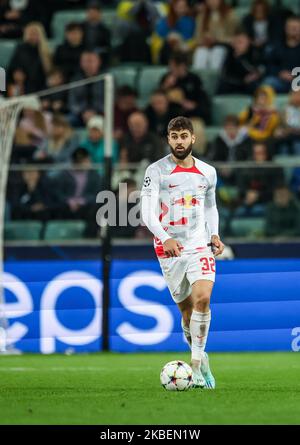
(178, 205)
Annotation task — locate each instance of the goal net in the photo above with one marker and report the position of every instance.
(10, 110)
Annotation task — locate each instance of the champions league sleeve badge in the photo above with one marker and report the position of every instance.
(147, 181)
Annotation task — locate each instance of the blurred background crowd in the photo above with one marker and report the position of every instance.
(226, 65)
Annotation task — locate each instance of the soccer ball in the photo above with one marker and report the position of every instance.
(176, 376)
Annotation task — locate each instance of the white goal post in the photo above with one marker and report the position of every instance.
(10, 110)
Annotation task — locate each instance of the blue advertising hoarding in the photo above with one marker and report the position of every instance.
(52, 306)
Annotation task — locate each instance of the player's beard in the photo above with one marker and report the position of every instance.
(183, 153)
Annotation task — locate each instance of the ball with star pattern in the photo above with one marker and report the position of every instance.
(176, 376)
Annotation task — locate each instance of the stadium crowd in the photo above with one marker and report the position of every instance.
(250, 51)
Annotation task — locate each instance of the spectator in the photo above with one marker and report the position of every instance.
(11, 21)
(215, 27)
(17, 86)
(32, 197)
(67, 55)
(160, 111)
(141, 15)
(135, 30)
(94, 143)
(140, 143)
(77, 190)
(256, 184)
(14, 15)
(55, 102)
(261, 119)
(288, 135)
(87, 100)
(60, 144)
(35, 127)
(185, 88)
(241, 73)
(96, 34)
(125, 104)
(174, 32)
(258, 24)
(33, 57)
(281, 58)
(144, 15)
(232, 143)
(282, 214)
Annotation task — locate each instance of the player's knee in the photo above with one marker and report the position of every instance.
(202, 301)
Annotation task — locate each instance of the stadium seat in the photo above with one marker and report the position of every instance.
(149, 80)
(288, 164)
(125, 75)
(6, 52)
(231, 104)
(242, 11)
(62, 18)
(290, 4)
(23, 230)
(281, 101)
(211, 133)
(247, 227)
(209, 78)
(109, 17)
(228, 194)
(64, 230)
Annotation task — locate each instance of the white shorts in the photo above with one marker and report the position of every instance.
(181, 272)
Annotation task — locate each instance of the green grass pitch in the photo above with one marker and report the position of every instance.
(106, 388)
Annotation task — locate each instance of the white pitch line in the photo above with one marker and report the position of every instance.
(2, 369)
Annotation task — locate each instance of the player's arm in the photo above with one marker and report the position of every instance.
(212, 216)
(149, 211)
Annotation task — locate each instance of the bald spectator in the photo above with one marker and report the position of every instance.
(283, 57)
(140, 143)
(87, 100)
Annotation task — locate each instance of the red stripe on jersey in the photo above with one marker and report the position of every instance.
(165, 209)
(179, 169)
(201, 248)
(180, 222)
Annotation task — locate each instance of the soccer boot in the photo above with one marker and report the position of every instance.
(210, 382)
(198, 379)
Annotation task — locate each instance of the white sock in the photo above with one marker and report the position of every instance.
(199, 327)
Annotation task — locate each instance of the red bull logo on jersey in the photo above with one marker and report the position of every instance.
(188, 201)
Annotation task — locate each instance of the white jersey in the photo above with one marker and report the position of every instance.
(179, 203)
